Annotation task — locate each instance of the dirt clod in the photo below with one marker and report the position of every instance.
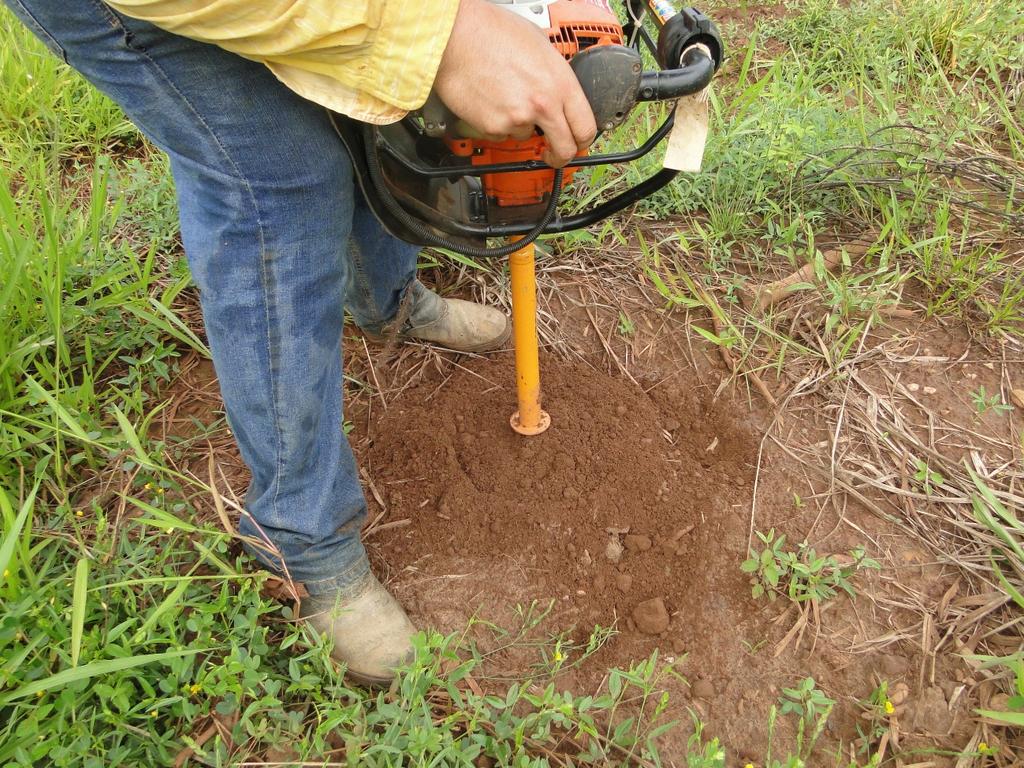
(703, 689)
(931, 712)
(893, 666)
(680, 533)
(623, 582)
(899, 694)
(637, 542)
(1017, 397)
(651, 616)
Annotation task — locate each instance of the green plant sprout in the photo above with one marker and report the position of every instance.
(984, 402)
(875, 710)
(927, 477)
(805, 701)
(801, 575)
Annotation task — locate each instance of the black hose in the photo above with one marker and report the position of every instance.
(693, 77)
(429, 237)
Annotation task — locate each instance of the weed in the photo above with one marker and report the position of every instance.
(1009, 530)
(984, 402)
(812, 710)
(876, 711)
(927, 478)
(805, 701)
(801, 575)
(753, 648)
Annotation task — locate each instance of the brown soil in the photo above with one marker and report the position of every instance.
(620, 502)
(631, 512)
(747, 15)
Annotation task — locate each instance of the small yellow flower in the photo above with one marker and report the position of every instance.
(195, 688)
(889, 707)
(152, 713)
(147, 487)
(39, 694)
(79, 513)
(983, 747)
(159, 491)
(749, 765)
(558, 656)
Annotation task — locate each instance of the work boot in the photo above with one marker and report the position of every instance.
(463, 326)
(370, 631)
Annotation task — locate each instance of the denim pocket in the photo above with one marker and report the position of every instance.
(33, 24)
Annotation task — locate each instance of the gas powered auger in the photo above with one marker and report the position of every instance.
(432, 180)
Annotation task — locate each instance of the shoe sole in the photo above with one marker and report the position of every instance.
(368, 681)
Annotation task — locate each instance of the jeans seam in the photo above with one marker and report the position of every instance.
(363, 283)
(339, 579)
(350, 576)
(273, 366)
(113, 19)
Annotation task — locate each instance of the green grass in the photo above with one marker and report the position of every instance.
(858, 120)
(47, 110)
(127, 629)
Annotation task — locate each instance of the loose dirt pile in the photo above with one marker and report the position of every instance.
(630, 511)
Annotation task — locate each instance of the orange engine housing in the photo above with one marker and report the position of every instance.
(575, 25)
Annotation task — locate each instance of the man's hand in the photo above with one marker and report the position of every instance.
(501, 75)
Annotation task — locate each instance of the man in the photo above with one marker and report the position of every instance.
(279, 241)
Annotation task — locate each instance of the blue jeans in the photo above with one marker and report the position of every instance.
(279, 243)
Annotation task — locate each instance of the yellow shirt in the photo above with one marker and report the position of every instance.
(373, 60)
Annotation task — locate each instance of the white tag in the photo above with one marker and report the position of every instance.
(689, 133)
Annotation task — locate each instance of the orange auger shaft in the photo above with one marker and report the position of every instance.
(530, 419)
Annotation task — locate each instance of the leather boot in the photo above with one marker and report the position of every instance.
(370, 632)
(463, 326)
